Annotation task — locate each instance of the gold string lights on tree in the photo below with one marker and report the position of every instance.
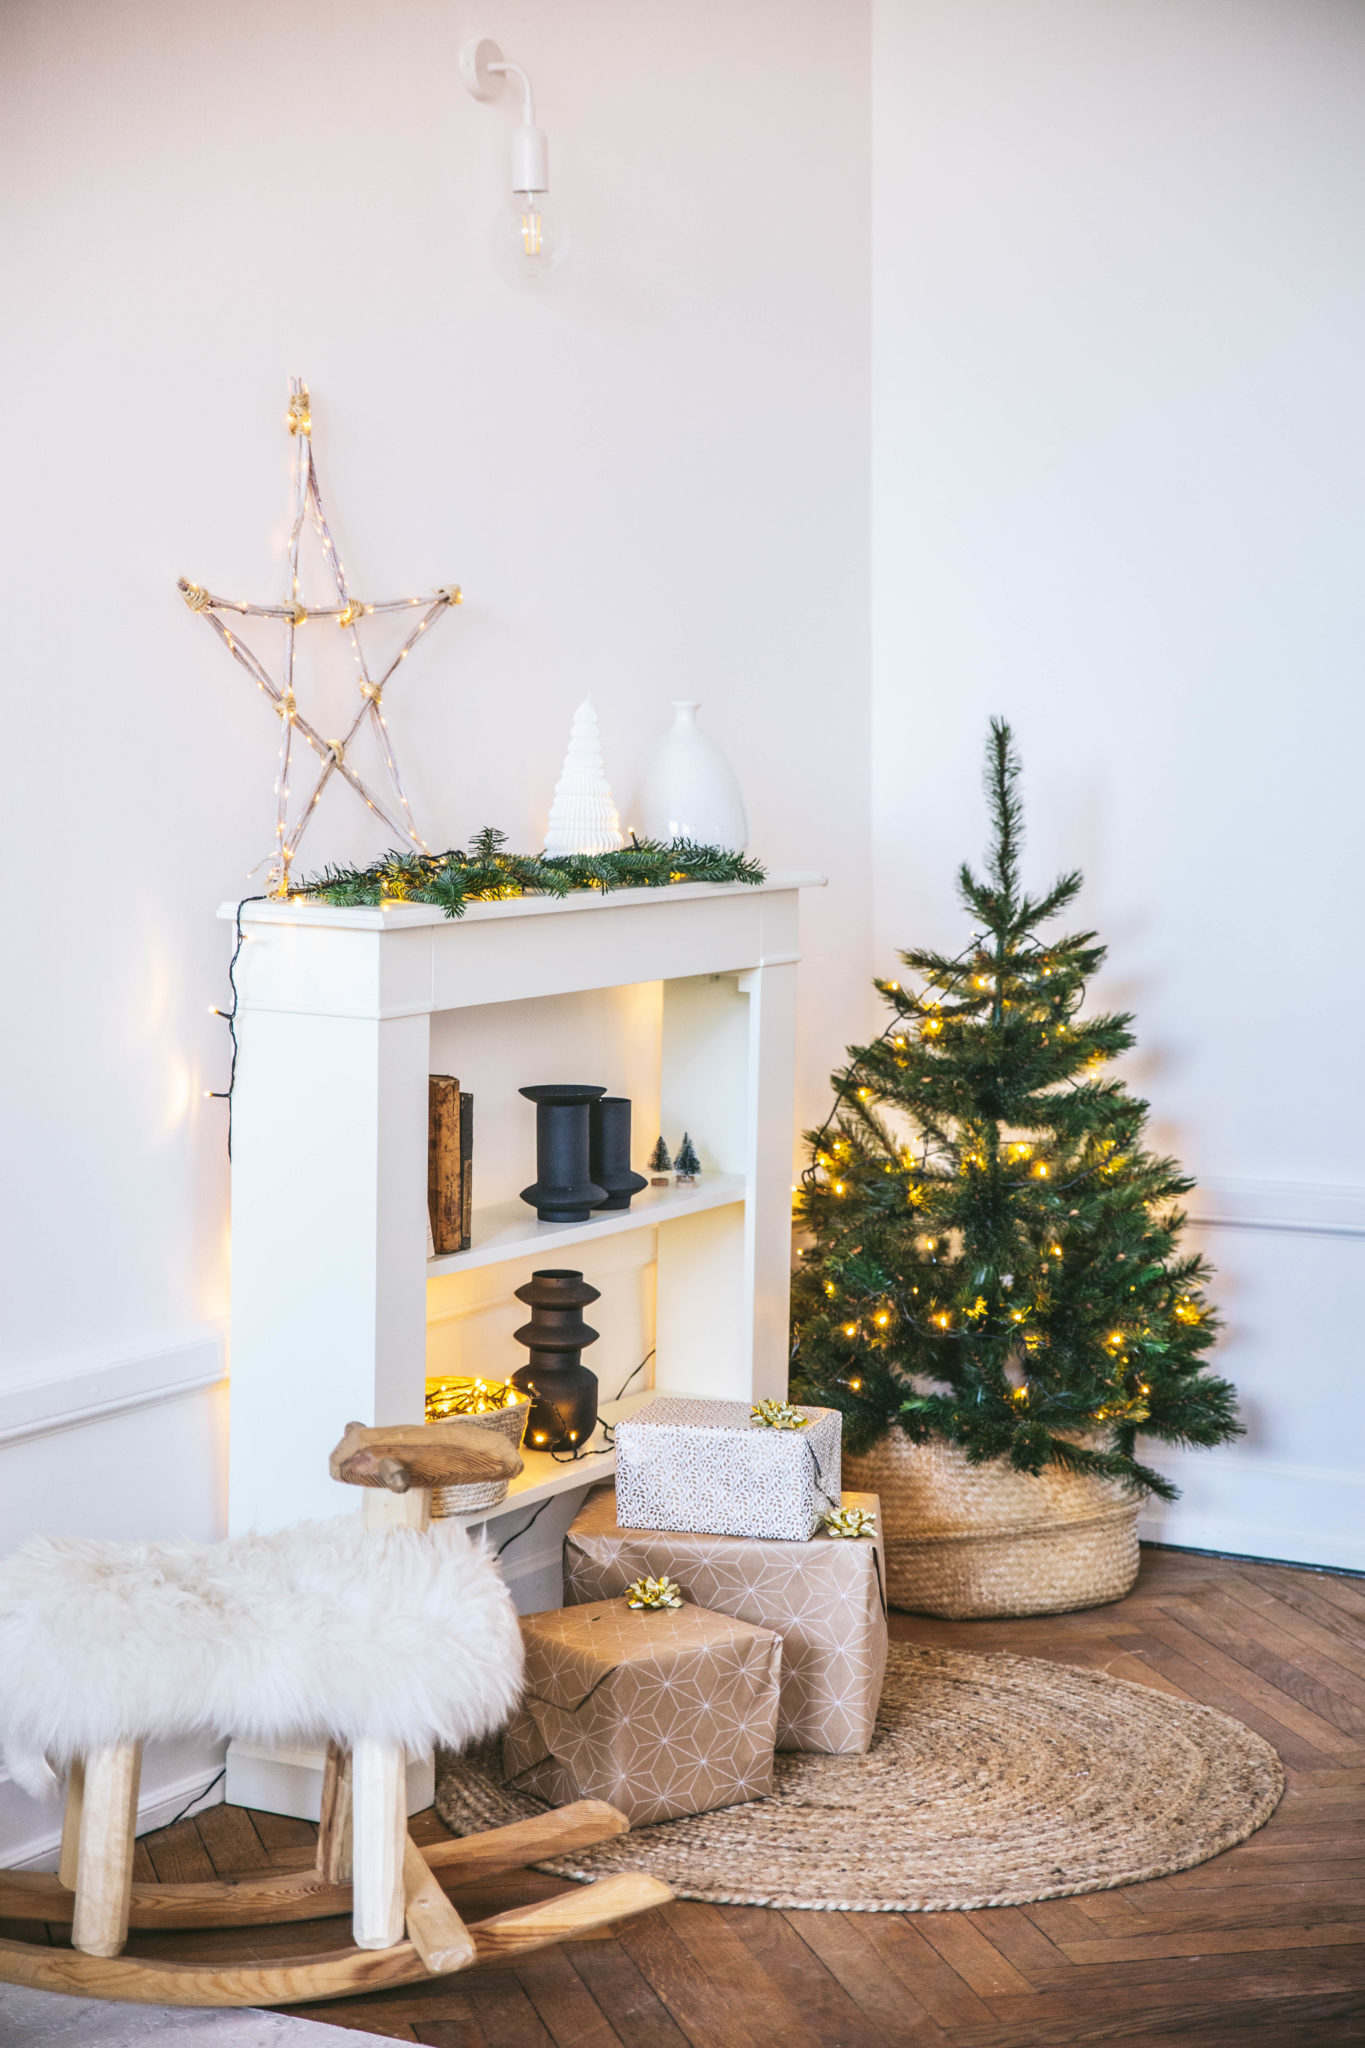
(994, 1257)
(348, 613)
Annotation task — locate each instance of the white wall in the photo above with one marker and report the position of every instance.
(650, 476)
(1119, 497)
(1116, 311)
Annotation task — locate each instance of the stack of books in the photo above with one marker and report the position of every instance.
(450, 1165)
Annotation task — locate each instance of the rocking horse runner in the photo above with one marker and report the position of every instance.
(383, 1636)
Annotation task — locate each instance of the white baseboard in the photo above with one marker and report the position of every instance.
(31, 1829)
(1255, 1507)
(290, 1780)
(1309, 1208)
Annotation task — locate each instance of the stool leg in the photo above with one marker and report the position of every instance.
(334, 1830)
(71, 1823)
(379, 1833)
(104, 1870)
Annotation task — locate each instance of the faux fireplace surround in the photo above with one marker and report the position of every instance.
(329, 1273)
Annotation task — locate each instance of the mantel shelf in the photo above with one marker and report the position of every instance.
(308, 911)
(509, 1230)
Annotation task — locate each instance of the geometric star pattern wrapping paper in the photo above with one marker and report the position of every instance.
(660, 1713)
(347, 612)
(823, 1597)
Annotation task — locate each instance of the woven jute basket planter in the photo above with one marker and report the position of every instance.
(486, 1493)
(968, 1540)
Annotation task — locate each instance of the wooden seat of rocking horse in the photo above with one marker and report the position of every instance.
(377, 1636)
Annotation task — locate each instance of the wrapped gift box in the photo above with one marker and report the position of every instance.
(661, 1713)
(825, 1598)
(708, 1467)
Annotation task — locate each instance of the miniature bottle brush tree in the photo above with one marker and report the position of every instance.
(995, 1255)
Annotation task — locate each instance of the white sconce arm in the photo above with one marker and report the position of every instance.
(509, 70)
(484, 70)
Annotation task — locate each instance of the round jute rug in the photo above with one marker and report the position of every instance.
(991, 1781)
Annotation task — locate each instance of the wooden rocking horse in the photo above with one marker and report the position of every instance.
(386, 1636)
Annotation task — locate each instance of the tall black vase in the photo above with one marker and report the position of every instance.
(563, 1190)
(609, 1151)
(563, 1390)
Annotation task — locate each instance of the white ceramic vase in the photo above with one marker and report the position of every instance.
(689, 790)
(583, 815)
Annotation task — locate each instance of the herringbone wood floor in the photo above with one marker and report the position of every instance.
(1262, 1948)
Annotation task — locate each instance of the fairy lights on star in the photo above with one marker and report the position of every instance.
(348, 612)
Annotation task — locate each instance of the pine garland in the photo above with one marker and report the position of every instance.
(486, 873)
(996, 1256)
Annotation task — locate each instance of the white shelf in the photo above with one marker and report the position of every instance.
(545, 1476)
(509, 1230)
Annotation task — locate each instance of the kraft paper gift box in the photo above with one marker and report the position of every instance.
(660, 1712)
(708, 1468)
(825, 1598)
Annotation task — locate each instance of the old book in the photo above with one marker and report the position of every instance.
(466, 1168)
(445, 1181)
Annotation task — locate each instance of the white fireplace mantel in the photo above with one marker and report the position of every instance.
(329, 1176)
(329, 1272)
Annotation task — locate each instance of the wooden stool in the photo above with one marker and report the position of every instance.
(403, 1925)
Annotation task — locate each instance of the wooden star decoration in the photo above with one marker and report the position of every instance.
(348, 612)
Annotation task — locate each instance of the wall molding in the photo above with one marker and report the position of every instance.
(37, 1848)
(64, 1393)
(1233, 1500)
(1296, 1207)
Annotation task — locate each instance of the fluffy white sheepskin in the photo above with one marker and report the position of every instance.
(325, 1630)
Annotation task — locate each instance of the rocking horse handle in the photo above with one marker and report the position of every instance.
(402, 1456)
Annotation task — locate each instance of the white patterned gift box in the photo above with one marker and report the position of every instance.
(707, 1468)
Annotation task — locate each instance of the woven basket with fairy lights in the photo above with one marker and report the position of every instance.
(492, 1404)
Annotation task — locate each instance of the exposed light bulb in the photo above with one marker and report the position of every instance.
(530, 238)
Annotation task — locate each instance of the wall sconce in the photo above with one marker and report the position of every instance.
(529, 237)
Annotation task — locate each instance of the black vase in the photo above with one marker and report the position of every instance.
(563, 1190)
(563, 1391)
(609, 1151)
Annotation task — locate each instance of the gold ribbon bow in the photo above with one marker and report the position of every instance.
(654, 1594)
(778, 1415)
(850, 1522)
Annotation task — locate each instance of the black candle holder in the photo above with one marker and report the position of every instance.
(609, 1151)
(563, 1190)
(563, 1390)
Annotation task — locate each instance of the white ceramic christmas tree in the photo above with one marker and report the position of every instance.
(583, 815)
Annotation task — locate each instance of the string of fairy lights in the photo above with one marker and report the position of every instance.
(348, 612)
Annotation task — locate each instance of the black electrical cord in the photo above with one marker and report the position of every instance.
(608, 1431)
(524, 1527)
(609, 1428)
(196, 1799)
(229, 1017)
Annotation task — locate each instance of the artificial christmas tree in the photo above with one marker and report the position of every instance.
(995, 1273)
(660, 1165)
(687, 1165)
